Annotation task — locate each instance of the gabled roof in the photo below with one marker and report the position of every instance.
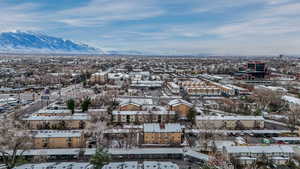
(163, 128)
(180, 101)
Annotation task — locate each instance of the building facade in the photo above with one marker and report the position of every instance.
(50, 139)
(230, 122)
(169, 133)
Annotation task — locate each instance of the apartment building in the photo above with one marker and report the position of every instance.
(130, 106)
(200, 88)
(146, 116)
(180, 106)
(230, 122)
(99, 77)
(169, 133)
(75, 121)
(246, 155)
(205, 87)
(53, 112)
(58, 139)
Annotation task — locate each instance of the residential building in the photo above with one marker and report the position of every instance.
(169, 133)
(146, 116)
(58, 139)
(75, 121)
(99, 77)
(246, 155)
(181, 107)
(230, 122)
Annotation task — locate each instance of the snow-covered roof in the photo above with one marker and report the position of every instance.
(143, 165)
(178, 102)
(237, 131)
(159, 165)
(118, 131)
(151, 151)
(229, 118)
(146, 151)
(163, 128)
(173, 85)
(127, 102)
(135, 100)
(56, 165)
(121, 165)
(56, 133)
(76, 116)
(196, 155)
(116, 112)
(260, 149)
(236, 87)
(291, 99)
(286, 138)
(50, 111)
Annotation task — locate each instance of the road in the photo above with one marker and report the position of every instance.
(39, 103)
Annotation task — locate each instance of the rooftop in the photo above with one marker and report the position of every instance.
(116, 112)
(56, 133)
(163, 128)
(56, 165)
(229, 118)
(260, 149)
(76, 116)
(179, 101)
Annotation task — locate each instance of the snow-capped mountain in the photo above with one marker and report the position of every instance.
(41, 43)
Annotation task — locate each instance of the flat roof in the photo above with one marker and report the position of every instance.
(152, 151)
(47, 152)
(238, 131)
(260, 149)
(286, 138)
(56, 165)
(56, 133)
(138, 151)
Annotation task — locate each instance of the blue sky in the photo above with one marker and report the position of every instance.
(222, 27)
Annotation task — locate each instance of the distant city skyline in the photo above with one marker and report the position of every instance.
(173, 27)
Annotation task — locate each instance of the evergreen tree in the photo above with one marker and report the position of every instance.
(71, 105)
(100, 158)
(85, 104)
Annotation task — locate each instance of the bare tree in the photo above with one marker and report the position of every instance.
(95, 128)
(293, 116)
(14, 141)
(265, 97)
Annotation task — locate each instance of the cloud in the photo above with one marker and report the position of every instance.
(102, 11)
(276, 20)
(170, 27)
(202, 6)
(20, 16)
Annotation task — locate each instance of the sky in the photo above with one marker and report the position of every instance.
(171, 27)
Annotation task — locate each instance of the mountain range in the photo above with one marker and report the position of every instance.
(33, 42)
